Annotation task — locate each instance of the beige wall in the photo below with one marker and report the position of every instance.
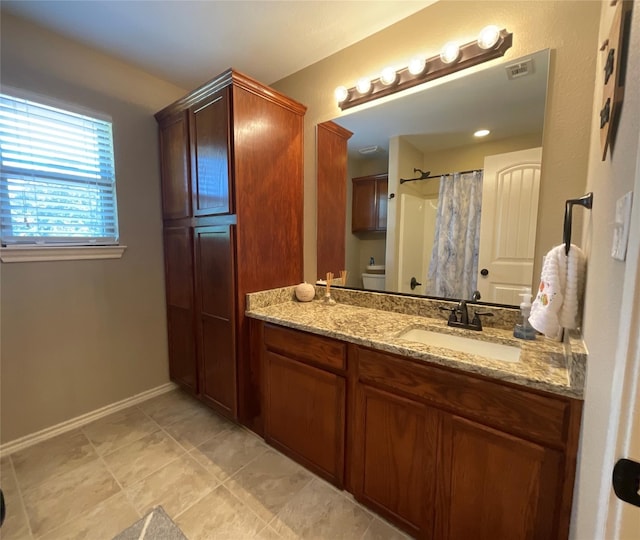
(568, 28)
(79, 335)
(611, 318)
(472, 156)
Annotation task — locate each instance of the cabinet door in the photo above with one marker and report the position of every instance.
(494, 485)
(363, 217)
(174, 156)
(178, 256)
(216, 316)
(382, 190)
(369, 203)
(305, 414)
(394, 457)
(210, 155)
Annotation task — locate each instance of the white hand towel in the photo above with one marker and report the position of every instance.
(559, 297)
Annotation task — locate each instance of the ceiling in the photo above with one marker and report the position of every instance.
(188, 42)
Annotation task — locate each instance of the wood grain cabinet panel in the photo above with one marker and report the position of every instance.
(331, 196)
(215, 285)
(174, 156)
(179, 285)
(307, 347)
(493, 485)
(394, 457)
(210, 148)
(369, 203)
(305, 414)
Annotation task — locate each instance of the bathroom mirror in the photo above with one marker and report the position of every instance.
(433, 130)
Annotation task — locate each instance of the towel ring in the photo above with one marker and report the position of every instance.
(587, 202)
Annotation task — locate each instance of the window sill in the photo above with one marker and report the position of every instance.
(18, 254)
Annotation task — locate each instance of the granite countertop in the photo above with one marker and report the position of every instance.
(546, 365)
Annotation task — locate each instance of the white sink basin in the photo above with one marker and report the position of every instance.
(486, 349)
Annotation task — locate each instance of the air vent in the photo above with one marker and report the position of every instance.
(521, 69)
(368, 149)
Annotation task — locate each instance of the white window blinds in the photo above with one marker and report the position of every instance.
(57, 176)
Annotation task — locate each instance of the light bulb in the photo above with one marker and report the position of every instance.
(416, 65)
(363, 85)
(481, 133)
(388, 76)
(341, 93)
(450, 52)
(488, 37)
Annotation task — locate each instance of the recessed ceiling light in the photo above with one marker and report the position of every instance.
(481, 133)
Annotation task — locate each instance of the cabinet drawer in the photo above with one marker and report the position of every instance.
(303, 346)
(516, 411)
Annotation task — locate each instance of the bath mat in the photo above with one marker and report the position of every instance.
(155, 525)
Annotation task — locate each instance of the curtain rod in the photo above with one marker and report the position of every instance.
(425, 176)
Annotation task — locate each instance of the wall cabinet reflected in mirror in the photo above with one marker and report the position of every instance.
(369, 203)
(432, 130)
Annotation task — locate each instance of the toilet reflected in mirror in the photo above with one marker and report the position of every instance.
(373, 282)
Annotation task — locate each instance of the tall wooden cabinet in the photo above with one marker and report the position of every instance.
(232, 201)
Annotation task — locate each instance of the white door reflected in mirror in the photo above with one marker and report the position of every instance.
(510, 189)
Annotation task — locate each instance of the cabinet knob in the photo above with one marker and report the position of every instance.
(484, 272)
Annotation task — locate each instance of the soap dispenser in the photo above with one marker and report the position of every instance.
(525, 330)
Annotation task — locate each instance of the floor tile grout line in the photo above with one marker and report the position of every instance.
(267, 447)
(125, 444)
(122, 489)
(189, 452)
(245, 505)
(86, 511)
(55, 474)
(23, 506)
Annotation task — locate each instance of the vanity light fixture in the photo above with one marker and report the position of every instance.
(481, 133)
(363, 86)
(388, 76)
(341, 93)
(417, 65)
(488, 36)
(491, 43)
(450, 52)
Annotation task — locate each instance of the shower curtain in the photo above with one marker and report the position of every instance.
(453, 267)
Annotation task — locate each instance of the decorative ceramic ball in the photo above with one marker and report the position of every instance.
(305, 292)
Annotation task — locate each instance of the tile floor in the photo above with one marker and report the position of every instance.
(216, 480)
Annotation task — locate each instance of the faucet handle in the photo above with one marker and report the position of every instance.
(476, 318)
(452, 314)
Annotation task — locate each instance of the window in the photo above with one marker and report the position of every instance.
(57, 179)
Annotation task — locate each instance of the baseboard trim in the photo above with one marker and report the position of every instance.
(79, 421)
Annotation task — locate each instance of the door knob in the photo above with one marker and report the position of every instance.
(626, 481)
(484, 272)
(414, 283)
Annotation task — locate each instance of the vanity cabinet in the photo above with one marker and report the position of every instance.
(369, 203)
(231, 155)
(305, 399)
(498, 461)
(442, 453)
